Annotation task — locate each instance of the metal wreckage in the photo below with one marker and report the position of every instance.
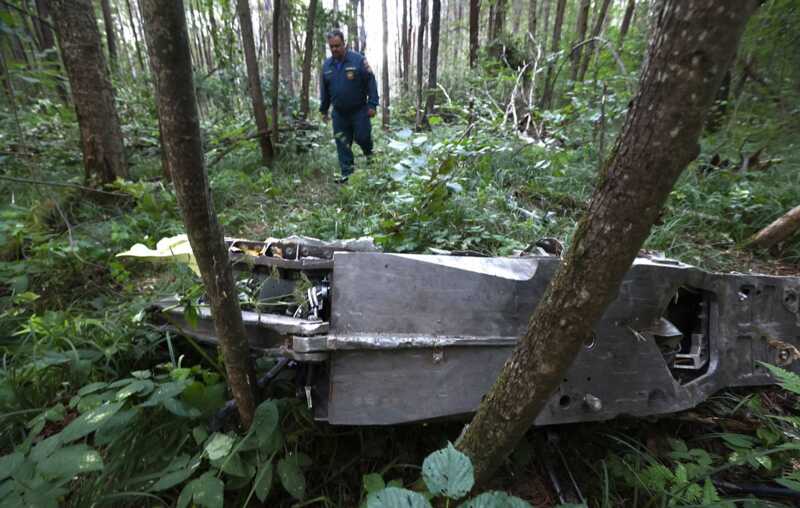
(382, 339)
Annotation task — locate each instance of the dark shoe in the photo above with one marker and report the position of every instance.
(340, 180)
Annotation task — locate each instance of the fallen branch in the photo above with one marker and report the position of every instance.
(778, 231)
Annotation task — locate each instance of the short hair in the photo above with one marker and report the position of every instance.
(334, 33)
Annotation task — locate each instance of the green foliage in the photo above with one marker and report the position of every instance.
(448, 474)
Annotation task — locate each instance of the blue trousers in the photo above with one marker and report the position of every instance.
(349, 126)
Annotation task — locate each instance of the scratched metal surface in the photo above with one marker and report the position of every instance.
(398, 320)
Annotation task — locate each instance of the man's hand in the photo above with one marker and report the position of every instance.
(325, 117)
(370, 112)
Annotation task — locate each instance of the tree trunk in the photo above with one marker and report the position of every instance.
(285, 33)
(135, 31)
(555, 46)
(626, 21)
(516, 17)
(307, 57)
(254, 81)
(691, 47)
(598, 26)
(434, 62)
(385, 69)
(532, 20)
(362, 32)
(545, 21)
(92, 94)
(165, 24)
(778, 231)
(474, 22)
(111, 39)
(48, 42)
(277, 7)
(352, 26)
(580, 35)
(423, 23)
(336, 14)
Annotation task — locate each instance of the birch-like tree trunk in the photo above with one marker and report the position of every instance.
(692, 45)
(92, 93)
(168, 46)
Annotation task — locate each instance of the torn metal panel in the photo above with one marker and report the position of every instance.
(403, 338)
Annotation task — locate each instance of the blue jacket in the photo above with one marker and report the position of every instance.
(348, 85)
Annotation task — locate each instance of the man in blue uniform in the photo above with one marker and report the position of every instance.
(347, 83)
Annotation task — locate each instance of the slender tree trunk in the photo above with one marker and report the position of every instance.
(307, 57)
(406, 49)
(285, 34)
(111, 39)
(277, 7)
(254, 81)
(434, 62)
(362, 32)
(545, 21)
(135, 31)
(691, 48)
(49, 45)
(516, 18)
(555, 46)
(92, 94)
(165, 24)
(589, 51)
(532, 20)
(423, 23)
(336, 14)
(474, 25)
(352, 26)
(385, 69)
(626, 21)
(580, 35)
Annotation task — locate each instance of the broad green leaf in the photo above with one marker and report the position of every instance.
(67, 462)
(737, 440)
(292, 478)
(90, 421)
(165, 392)
(114, 426)
(263, 481)
(496, 500)
(180, 408)
(140, 386)
(448, 472)
(169, 480)
(266, 421)
(209, 491)
(392, 497)
(9, 463)
(45, 448)
(709, 492)
(91, 388)
(373, 482)
(200, 434)
(219, 446)
(235, 466)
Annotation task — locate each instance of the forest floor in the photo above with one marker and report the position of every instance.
(72, 328)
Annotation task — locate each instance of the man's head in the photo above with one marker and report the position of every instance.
(336, 43)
